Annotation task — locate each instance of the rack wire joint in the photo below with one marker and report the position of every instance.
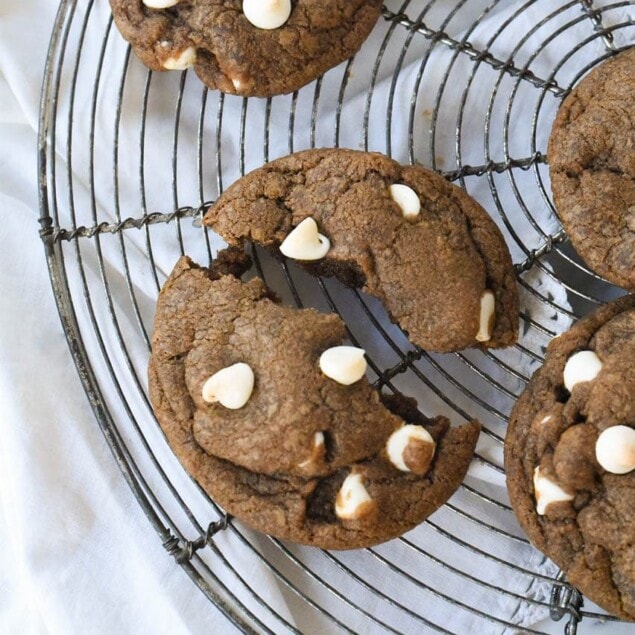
(184, 552)
(566, 600)
(544, 249)
(595, 15)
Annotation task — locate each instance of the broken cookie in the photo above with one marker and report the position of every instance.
(404, 234)
(270, 411)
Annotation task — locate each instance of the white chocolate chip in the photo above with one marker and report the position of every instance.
(184, 60)
(237, 83)
(317, 451)
(160, 4)
(547, 492)
(546, 419)
(407, 199)
(353, 501)
(231, 386)
(267, 14)
(399, 440)
(486, 318)
(305, 243)
(581, 366)
(344, 364)
(615, 449)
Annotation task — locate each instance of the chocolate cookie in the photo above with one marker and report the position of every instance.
(570, 456)
(592, 167)
(275, 419)
(251, 47)
(421, 245)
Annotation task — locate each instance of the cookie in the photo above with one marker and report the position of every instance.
(270, 411)
(592, 167)
(404, 234)
(570, 456)
(251, 47)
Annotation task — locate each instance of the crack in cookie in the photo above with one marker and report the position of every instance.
(431, 270)
(321, 458)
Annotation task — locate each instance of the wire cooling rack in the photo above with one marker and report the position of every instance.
(130, 160)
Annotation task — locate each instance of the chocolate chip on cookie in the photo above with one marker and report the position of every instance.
(404, 234)
(246, 47)
(272, 414)
(570, 456)
(592, 168)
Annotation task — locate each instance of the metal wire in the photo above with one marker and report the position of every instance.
(112, 228)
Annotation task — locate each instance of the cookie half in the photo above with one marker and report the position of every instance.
(570, 456)
(592, 168)
(404, 234)
(310, 452)
(252, 47)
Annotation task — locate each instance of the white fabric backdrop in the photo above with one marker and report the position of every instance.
(78, 554)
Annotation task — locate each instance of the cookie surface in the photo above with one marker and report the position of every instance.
(431, 269)
(592, 168)
(568, 452)
(306, 458)
(233, 55)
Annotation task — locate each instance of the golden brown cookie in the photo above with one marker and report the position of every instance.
(404, 234)
(280, 431)
(592, 168)
(252, 47)
(570, 456)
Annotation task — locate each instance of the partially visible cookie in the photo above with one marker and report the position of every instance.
(280, 431)
(570, 456)
(246, 47)
(592, 168)
(404, 234)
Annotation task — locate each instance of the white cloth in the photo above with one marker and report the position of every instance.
(79, 555)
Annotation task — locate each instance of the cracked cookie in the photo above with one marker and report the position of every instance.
(403, 234)
(252, 47)
(270, 411)
(570, 456)
(592, 168)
